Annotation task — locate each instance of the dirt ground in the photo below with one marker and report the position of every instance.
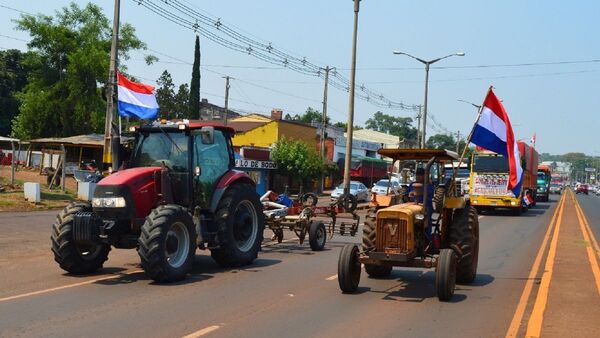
(12, 198)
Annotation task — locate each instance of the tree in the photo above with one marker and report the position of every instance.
(13, 78)
(297, 159)
(165, 95)
(441, 141)
(195, 85)
(69, 66)
(312, 115)
(181, 100)
(398, 126)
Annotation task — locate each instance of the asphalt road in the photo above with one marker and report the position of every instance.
(289, 291)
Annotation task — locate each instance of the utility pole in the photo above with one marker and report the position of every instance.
(324, 123)
(419, 128)
(226, 99)
(111, 134)
(350, 126)
(458, 142)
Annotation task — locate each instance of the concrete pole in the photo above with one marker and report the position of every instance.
(226, 99)
(12, 164)
(63, 167)
(424, 133)
(349, 129)
(458, 141)
(111, 93)
(419, 127)
(324, 124)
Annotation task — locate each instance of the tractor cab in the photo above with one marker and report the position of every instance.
(432, 226)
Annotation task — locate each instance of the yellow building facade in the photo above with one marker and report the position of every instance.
(270, 132)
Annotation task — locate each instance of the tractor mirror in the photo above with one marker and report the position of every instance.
(207, 134)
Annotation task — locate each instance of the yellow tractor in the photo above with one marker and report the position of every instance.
(433, 226)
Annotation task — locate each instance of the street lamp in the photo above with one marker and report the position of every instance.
(427, 64)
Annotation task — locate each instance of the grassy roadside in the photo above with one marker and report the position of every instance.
(12, 198)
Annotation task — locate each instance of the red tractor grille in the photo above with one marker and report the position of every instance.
(392, 236)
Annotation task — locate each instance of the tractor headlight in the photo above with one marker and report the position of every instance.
(108, 202)
(419, 217)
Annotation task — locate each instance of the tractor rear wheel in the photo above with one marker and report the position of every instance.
(349, 269)
(317, 235)
(240, 225)
(368, 243)
(445, 274)
(167, 243)
(464, 233)
(73, 257)
(438, 199)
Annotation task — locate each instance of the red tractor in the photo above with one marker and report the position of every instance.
(179, 192)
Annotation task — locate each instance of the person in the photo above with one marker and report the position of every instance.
(416, 192)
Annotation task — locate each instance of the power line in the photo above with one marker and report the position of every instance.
(222, 34)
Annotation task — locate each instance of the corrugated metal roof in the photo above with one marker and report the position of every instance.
(96, 140)
(8, 139)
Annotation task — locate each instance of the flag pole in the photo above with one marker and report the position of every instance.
(468, 139)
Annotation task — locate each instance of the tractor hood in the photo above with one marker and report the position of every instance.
(137, 186)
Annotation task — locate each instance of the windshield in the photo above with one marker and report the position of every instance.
(156, 147)
(462, 172)
(541, 176)
(383, 183)
(490, 164)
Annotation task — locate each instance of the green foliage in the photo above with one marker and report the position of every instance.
(69, 63)
(297, 159)
(13, 78)
(441, 141)
(312, 115)
(165, 95)
(181, 101)
(398, 126)
(195, 85)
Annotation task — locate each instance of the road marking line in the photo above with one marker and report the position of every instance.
(587, 225)
(588, 248)
(534, 326)
(334, 277)
(203, 332)
(513, 329)
(34, 293)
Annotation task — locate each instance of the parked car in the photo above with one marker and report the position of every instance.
(357, 189)
(382, 187)
(582, 189)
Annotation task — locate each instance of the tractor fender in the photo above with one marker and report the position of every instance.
(230, 178)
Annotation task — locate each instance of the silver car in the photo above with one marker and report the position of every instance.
(357, 189)
(381, 187)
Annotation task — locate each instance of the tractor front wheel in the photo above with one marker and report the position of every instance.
(368, 243)
(317, 235)
(167, 243)
(349, 269)
(71, 256)
(240, 224)
(445, 274)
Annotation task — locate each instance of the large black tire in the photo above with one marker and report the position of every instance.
(317, 235)
(445, 274)
(464, 233)
(240, 223)
(167, 243)
(368, 243)
(348, 269)
(348, 202)
(72, 257)
(438, 199)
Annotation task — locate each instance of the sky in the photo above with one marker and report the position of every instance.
(542, 57)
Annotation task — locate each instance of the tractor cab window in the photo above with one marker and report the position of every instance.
(213, 159)
(154, 148)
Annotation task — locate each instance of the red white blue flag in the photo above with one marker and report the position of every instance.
(493, 131)
(136, 99)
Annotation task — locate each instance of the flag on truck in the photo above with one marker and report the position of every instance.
(493, 131)
(136, 99)
(533, 140)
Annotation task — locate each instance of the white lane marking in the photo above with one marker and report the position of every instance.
(203, 332)
(334, 277)
(34, 293)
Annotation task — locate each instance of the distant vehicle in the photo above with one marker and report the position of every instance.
(383, 187)
(544, 175)
(357, 189)
(582, 189)
(462, 175)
